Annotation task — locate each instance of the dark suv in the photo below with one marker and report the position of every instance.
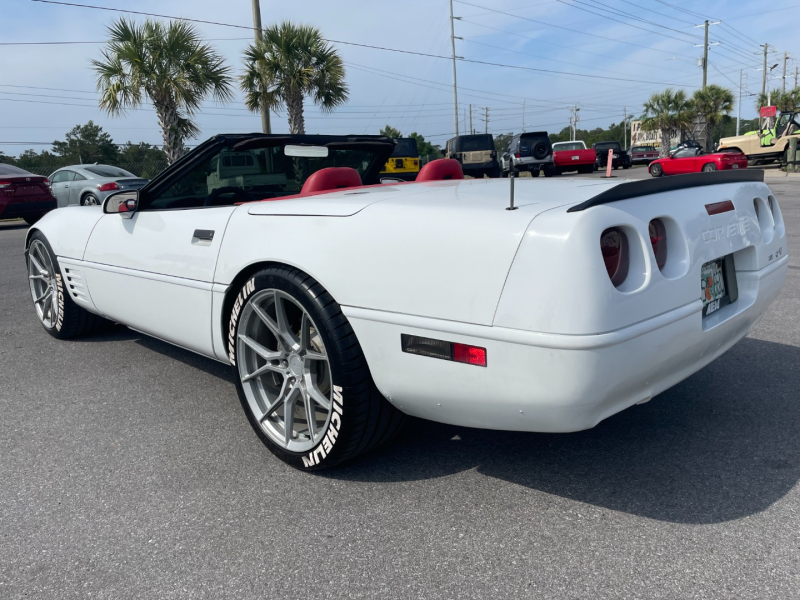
(620, 157)
(529, 152)
(476, 154)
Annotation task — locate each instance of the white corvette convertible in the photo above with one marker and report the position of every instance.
(344, 303)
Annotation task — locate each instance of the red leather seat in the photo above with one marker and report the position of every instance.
(332, 178)
(440, 169)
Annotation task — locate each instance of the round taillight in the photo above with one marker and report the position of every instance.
(658, 239)
(614, 246)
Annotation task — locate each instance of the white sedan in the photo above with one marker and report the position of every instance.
(344, 304)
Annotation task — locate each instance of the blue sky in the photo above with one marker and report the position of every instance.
(409, 92)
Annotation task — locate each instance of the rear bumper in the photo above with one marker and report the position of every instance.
(484, 166)
(11, 209)
(553, 382)
(528, 162)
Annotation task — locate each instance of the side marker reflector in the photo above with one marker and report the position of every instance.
(452, 351)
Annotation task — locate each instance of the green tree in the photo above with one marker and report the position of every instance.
(288, 63)
(167, 64)
(391, 132)
(713, 102)
(501, 141)
(784, 101)
(427, 151)
(41, 163)
(669, 112)
(142, 159)
(85, 144)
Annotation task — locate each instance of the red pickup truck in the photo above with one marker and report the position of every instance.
(573, 156)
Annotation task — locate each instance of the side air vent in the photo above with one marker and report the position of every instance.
(76, 286)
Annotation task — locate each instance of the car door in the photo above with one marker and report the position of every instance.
(154, 271)
(77, 184)
(60, 184)
(679, 162)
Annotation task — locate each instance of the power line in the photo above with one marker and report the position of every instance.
(551, 25)
(473, 61)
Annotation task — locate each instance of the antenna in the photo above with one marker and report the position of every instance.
(511, 202)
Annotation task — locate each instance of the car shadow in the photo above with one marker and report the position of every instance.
(719, 446)
(12, 224)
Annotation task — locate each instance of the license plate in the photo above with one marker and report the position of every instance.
(735, 166)
(575, 157)
(718, 284)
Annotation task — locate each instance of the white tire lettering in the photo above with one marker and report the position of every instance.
(326, 445)
(241, 298)
(60, 293)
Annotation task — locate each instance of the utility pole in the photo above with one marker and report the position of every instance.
(705, 25)
(471, 130)
(453, 39)
(486, 121)
(625, 128)
(523, 110)
(739, 104)
(795, 77)
(266, 126)
(764, 75)
(785, 56)
(705, 56)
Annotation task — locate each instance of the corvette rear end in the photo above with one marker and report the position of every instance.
(607, 303)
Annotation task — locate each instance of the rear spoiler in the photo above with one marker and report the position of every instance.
(646, 187)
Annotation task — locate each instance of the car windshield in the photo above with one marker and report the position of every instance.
(788, 124)
(406, 147)
(252, 173)
(568, 146)
(106, 171)
(474, 143)
(607, 146)
(12, 170)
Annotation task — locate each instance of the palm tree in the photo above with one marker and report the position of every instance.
(669, 112)
(288, 63)
(784, 101)
(712, 102)
(167, 64)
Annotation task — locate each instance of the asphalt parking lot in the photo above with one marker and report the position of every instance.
(128, 470)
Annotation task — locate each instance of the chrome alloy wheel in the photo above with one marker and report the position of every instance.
(42, 279)
(284, 370)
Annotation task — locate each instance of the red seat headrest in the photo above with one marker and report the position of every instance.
(441, 168)
(331, 178)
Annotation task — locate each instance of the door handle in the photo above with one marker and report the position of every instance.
(203, 234)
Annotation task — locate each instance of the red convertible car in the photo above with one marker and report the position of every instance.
(693, 160)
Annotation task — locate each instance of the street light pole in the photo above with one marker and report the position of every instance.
(266, 127)
(739, 105)
(785, 56)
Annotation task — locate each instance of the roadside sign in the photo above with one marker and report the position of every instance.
(768, 111)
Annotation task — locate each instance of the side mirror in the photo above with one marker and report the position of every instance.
(123, 203)
(444, 152)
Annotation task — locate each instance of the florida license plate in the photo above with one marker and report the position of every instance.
(735, 166)
(718, 285)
